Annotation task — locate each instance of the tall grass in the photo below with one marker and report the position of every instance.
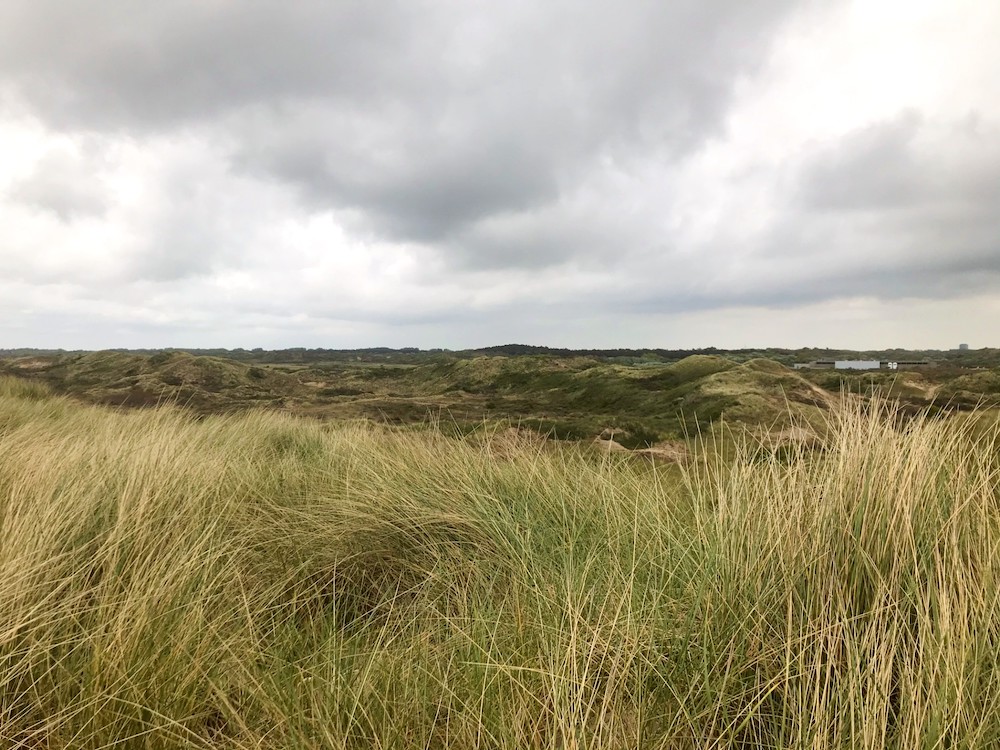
(258, 581)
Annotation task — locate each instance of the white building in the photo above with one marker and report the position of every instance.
(857, 364)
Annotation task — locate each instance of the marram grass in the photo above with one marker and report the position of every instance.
(259, 581)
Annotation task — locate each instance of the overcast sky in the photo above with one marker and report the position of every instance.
(460, 173)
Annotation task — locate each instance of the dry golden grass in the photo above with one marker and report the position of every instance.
(258, 581)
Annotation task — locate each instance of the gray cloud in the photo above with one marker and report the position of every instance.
(900, 209)
(873, 169)
(409, 184)
(909, 205)
(423, 118)
(907, 162)
(114, 64)
(552, 89)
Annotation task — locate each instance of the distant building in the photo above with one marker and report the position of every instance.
(857, 364)
(860, 364)
(963, 347)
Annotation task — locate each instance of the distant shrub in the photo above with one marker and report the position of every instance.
(160, 358)
(341, 390)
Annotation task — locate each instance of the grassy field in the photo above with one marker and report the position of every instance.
(264, 581)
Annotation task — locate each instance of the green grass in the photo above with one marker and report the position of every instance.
(259, 581)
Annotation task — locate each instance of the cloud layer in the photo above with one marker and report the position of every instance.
(455, 174)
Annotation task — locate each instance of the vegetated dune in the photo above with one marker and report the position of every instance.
(583, 398)
(573, 398)
(691, 368)
(139, 380)
(982, 387)
(258, 580)
(757, 393)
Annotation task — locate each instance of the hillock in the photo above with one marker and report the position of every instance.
(137, 380)
(981, 387)
(758, 392)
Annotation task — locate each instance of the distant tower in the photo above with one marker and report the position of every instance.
(963, 347)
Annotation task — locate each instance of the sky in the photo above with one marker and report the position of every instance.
(465, 173)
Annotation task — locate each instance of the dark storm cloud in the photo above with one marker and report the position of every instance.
(423, 120)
